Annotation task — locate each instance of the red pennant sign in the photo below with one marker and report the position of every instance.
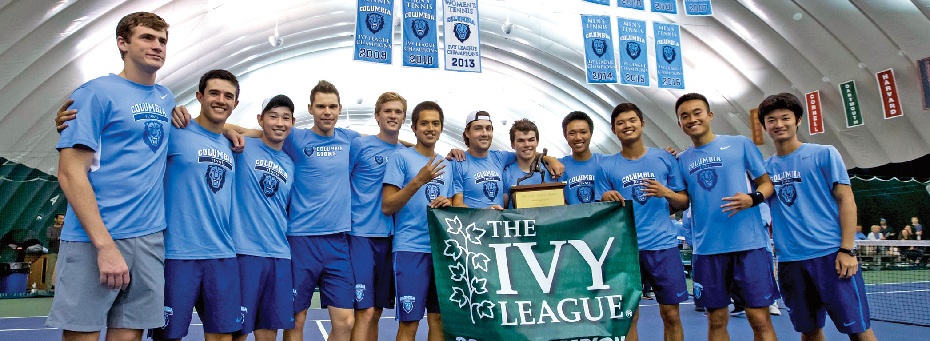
(814, 114)
(888, 89)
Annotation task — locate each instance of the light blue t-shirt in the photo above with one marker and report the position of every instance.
(126, 125)
(579, 179)
(480, 180)
(369, 159)
(712, 172)
(199, 183)
(264, 178)
(654, 229)
(322, 195)
(512, 173)
(410, 228)
(805, 215)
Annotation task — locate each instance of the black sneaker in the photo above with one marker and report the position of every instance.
(738, 311)
(699, 308)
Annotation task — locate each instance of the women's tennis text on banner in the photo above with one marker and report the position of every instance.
(533, 274)
(461, 35)
(634, 59)
(669, 69)
(421, 45)
(374, 31)
(600, 63)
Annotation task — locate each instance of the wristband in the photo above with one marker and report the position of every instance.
(757, 198)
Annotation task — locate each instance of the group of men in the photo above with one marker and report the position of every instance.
(163, 220)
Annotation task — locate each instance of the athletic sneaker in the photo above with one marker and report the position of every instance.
(699, 308)
(738, 311)
(773, 309)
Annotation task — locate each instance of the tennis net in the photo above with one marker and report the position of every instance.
(897, 279)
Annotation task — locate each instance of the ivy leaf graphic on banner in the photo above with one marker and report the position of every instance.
(480, 261)
(458, 272)
(453, 249)
(458, 296)
(474, 233)
(454, 225)
(479, 285)
(485, 309)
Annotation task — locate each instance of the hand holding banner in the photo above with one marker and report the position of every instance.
(563, 272)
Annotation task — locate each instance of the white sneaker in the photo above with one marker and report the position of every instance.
(773, 309)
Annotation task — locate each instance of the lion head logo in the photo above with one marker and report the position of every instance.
(216, 177)
(407, 303)
(599, 46)
(420, 28)
(585, 194)
(639, 194)
(490, 189)
(707, 178)
(269, 184)
(379, 159)
(375, 22)
(788, 194)
(153, 135)
(432, 192)
(462, 31)
(668, 53)
(633, 49)
(168, 312)
(308, 150)
(359, 292)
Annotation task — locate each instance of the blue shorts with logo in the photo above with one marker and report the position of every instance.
(812, 288)
(664, 270)
(374, 273)
(746, 276)
(211, 286)
(267, 293)
(415, 285)
(322, 261)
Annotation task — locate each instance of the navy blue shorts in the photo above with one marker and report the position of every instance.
(211, 286)
(322, 261)
(415, 285)
(374, 273)
(665, 272)
(812, 289)
(746, 276)
(267, 293)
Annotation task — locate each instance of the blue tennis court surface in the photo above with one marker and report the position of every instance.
(650, 325)
(904, 302)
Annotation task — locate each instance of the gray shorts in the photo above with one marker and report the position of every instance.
(83, 304)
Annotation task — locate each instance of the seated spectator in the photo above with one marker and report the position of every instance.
(918, 228)
(859, 234)
(907, 234)
(888, 232)
(876, 233)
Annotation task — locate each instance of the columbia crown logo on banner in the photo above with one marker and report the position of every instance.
(460, 28)
(814, 112)
(600, 63)
(698, 7)
(374, 32)
(669, 70)
(888, 90)
(634, 59)
(664, 6)
(632, 4)
(420, 40)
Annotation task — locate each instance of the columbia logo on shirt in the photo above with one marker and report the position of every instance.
(216, 172)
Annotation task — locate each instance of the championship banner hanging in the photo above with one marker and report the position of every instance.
(756, 127)
(888, 90)
(669, 70)
(600, 63)
(851, 104)
(698, 8)
(923, 67)
(632, 4)
(664, 6)
(552, 273)
(421, 45)
(463, 48)
(599, 2)
(814, 113)
(374, 34)
(634, 59)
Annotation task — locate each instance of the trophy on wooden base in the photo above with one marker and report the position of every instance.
(537, 195)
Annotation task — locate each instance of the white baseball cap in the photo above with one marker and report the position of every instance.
(477, 115)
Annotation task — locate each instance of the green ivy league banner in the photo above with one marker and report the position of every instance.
(553, 273)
